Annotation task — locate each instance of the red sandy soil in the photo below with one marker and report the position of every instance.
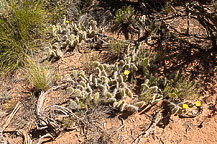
(199, 130)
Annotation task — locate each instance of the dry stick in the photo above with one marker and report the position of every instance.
(41, 99)
(26, 137)
(40, 110)
(65, 111)
(17, 107)
(44, 136)
(152, 126)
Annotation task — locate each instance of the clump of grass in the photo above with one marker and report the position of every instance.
(11, 52)
(40, 75)
(87, 59)
(117, 47)
(21, 26)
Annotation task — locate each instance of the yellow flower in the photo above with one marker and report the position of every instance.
(67, 21)
(185, 106)
(126, 72)
(197, 103)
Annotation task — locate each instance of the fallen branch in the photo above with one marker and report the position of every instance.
(27, 139)
(17, 107)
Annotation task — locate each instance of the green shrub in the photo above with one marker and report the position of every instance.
(125, 20)
(181, 88)
(124, 15)
(21, 26)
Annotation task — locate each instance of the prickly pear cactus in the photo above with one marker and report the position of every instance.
(69, 34)
(112, 84)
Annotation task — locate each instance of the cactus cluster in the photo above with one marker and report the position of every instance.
(111, 84)
(106, 85)
(68, 34)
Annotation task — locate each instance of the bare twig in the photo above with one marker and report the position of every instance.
(44, 136)
(65, 110)
(17, 107)
(43, 120)
(27, 139)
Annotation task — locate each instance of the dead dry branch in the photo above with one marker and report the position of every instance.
(17, 107)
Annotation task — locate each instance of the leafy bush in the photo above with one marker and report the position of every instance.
(124, 20)
(21, 24)
(180, 88)
(124, 15)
